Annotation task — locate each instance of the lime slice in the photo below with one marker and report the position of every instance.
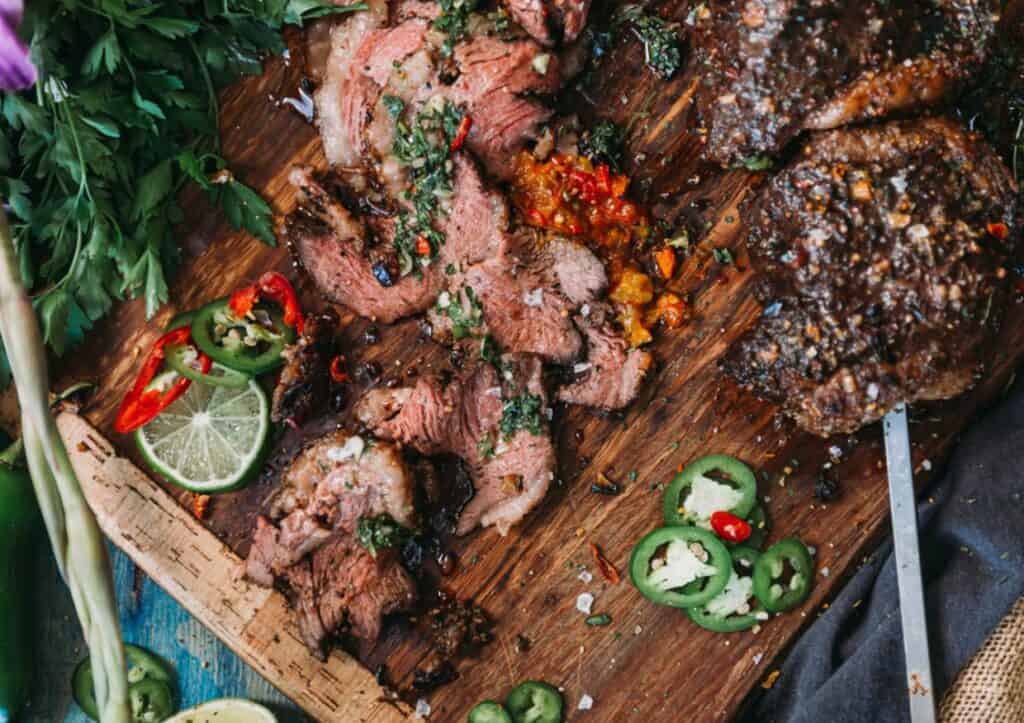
(225, 710)
(211, 439)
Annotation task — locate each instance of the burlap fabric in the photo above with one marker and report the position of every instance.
(990, 688)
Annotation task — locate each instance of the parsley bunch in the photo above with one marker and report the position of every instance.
(123, 115)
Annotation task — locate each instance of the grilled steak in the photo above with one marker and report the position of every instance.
(550, 20)
(305, 377)
(883, 253)
(333, 246)
(309, 541)
(611, 377)
(775, 67)
(498, 424)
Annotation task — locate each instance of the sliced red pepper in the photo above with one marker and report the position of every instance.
(998, 229)
(730, 527)
(422, 246)
(338, 373)
(142, 405)
(465, 125)
(275, 287)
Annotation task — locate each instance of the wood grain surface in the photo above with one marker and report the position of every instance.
(650, 663)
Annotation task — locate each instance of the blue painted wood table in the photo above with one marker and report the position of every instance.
(206, 668)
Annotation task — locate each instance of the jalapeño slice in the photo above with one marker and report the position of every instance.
(245, 345)
(667, 561)
(534, 702)
(771, 591)
(716, 615)
(695, 494)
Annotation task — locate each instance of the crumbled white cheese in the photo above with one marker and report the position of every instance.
(736, 595)
(918, 232)
(708, 496)
(586, 703)
(681, 568)
(581, 367)
(585, 576)
(352, 449)
(422, 708)
(585, 603)
(534, 298)
(444, 300)
(540, 63)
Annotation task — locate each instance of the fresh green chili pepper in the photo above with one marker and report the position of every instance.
(769, 589)
(690, 554)
(743, 561)
(241, 344)
(489, 712)
(534, 702)
(740, 480)
(181, 358)
(150, 687)
(19, 526)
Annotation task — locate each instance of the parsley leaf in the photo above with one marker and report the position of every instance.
(522, 412)
(662, 49)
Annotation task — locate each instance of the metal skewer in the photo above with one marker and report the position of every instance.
(908, 566)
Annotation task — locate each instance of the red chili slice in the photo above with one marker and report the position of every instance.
(275, 287)
(730, 527)
(338, 373)
(998, 230)
(465, 125)
(141, 405)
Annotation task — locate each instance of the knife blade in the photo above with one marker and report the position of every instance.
(903, 509)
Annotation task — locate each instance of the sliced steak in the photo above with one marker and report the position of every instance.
(611, 376)
(548, 21)
(775, 67)
(309, 539)
(498, 424)
(330, 242)
(346, 94)
(883, 253)
(305, 378)
(523, 299)
(496, 82)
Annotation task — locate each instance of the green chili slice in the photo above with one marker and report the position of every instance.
(534, 702)
(709, 616)
(771, 591)
(144, 669)
(735, 489)
(183, 359)
(489, 712)
(665, 562)
(241, 344)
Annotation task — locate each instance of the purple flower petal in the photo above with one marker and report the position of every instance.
(16, 70)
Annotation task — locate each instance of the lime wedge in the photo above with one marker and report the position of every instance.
(210, 440)
(225, 710)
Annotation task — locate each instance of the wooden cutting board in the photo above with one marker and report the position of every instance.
(651, 663)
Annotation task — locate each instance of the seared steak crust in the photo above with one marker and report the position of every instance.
(774, 67)
(883, 254)
(309, 543)
(511, 470)
(305, 377)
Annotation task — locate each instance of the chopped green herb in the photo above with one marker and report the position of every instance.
(604, 143)
(682, 241)
(522, 412)
(450, 269)
(485, 447)
(394, 105)
(453, 22)
(662, 50)
(423, 148)
(599, 620)
(757, 163)
(632, 475)
(378, 533)
(464, 309)
(489, 350)
(723, 255)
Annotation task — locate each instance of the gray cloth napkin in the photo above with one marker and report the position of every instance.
(848, 666)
